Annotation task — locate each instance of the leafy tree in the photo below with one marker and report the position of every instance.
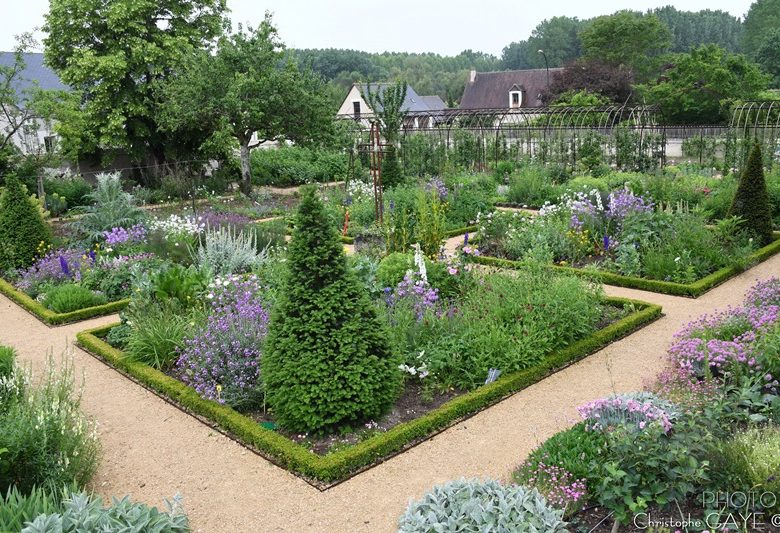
(768, 55)
(691, 29)
(558, 37)
(247, 92)
(327, 363)
(699, 87)
(593, 76)
(628, 39)
(22, 228)
(387, 101)
(762, 17)
(22, 107)
(115, 52)
(751, 201)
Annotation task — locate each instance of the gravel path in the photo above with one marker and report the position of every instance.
(152, 450)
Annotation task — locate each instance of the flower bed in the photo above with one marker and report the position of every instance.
(623, 240)
(323, 470)
(707, 425)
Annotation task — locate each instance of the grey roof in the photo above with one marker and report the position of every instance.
(434, 103)
(413, 101)
(490, 90)
(35, 71)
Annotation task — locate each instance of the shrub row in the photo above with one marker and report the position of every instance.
(691, 290)
(325, 470)
(53, 318)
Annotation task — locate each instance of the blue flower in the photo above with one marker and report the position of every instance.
(64, 266)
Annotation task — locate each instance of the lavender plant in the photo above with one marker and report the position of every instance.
(221, 361)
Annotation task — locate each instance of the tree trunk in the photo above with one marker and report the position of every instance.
(246, 174)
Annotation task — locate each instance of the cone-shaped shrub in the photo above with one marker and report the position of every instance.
(327, 363)
(22, 228)
(751, 202)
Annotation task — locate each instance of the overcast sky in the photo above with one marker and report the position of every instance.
(445, 27)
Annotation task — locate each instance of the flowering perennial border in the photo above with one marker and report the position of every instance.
(691, 290)
(326, 471)
(52, 318)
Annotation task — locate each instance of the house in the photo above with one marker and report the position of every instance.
(35, 135)
(424, 110)
(509, 89)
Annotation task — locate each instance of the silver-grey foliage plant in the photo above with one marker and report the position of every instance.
(111, 207)
(226, 251)
(83, 513)
(477, 506)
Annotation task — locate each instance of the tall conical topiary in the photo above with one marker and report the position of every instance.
(327, 363)
(751, 202)
(22, 228)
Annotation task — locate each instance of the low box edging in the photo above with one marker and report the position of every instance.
(340, 464)
(53, 318)
(693, 290)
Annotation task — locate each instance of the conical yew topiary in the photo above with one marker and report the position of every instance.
(751, 202)
(327, 363)
(22, 228)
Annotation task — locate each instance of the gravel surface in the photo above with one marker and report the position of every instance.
(153, 450)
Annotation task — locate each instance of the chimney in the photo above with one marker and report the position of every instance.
(472, 76)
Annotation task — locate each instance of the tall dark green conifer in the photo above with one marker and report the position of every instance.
(327, 363)
(22, 228)
(751, 202)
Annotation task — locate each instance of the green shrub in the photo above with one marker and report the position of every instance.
(226, 250)
(48, 442)
(750, 460)
(71, 297)
(81, 512)
(533, 186)
(573, 450)
(22, 228)
(391, 170)
(751, 202)
(295, 165)
(156, 334)
(7, 360)
(327, 361)
(481, 506)
(74, 189)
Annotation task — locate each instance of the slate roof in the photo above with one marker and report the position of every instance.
(413, 101)
(490, 90)
(34, 71)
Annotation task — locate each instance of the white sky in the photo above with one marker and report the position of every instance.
(443, 26)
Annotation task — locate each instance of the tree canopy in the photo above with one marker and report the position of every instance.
(627, 39)
(244, 89)
(699, 87)
(115, 53)
(762, 17)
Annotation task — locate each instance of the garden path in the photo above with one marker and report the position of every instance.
(152, 450)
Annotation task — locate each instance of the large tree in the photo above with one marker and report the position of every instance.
(762, 17)
(691, 29)
(558, 37)
(627, 39)
(768, 55)
(593, 76)
(22, 102)
(115, 52)
(699, 87)
(246, 90)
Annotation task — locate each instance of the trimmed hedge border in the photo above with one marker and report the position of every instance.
(448, 235)
(52, 318)
(691, 290)
(326, 471)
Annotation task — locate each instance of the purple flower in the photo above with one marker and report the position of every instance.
(222, 360)
(64, 266)
(606, 243)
